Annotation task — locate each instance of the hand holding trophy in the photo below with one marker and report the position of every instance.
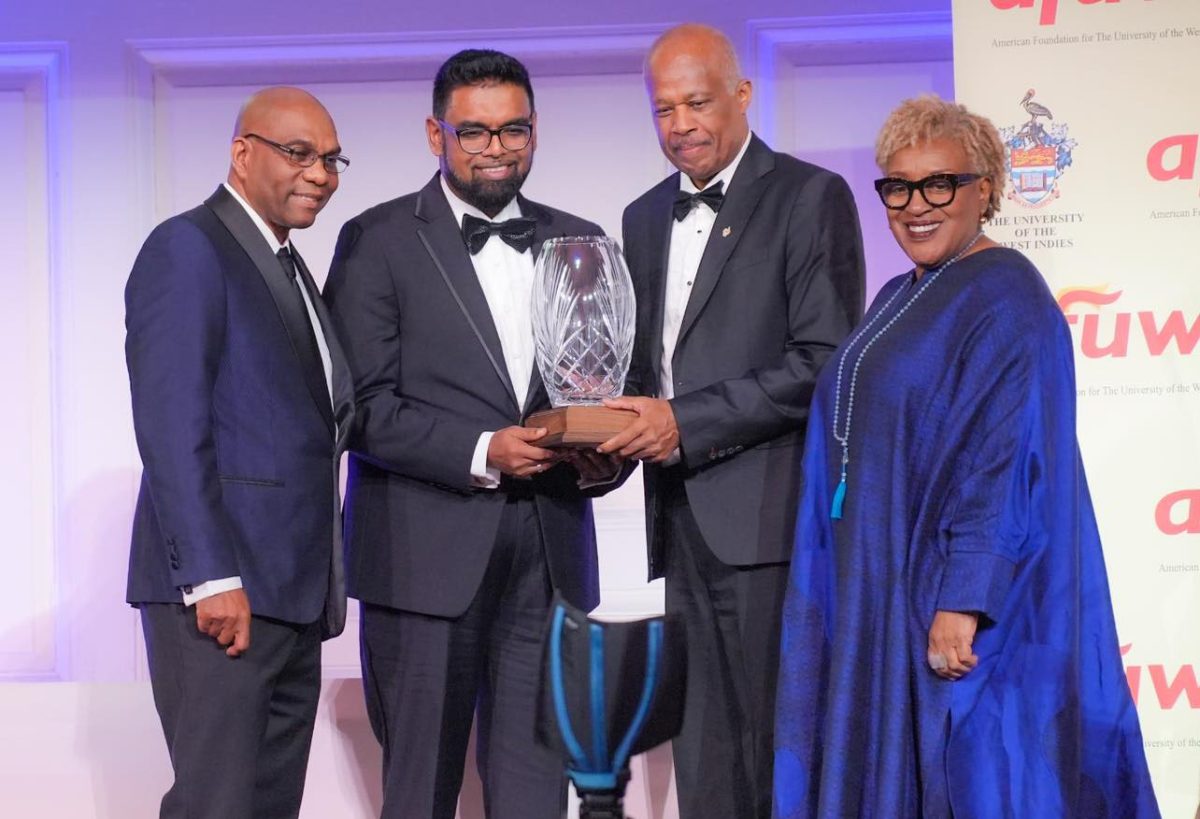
(584, 314)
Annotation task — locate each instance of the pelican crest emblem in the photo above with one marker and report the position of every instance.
(1039, 152)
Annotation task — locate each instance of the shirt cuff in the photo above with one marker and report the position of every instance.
(674, 458)
(482, 475)
(209, 588)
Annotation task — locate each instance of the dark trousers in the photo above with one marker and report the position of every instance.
(238, 729)
(425, 677)
(724, 755)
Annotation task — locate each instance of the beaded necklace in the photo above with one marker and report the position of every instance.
(839, 496)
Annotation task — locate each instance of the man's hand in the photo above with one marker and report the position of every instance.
(513, 452)
(950, 639)
(652, 436)
(226, 617)
(594, 468)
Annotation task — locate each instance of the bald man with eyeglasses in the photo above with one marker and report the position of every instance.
(242, 402)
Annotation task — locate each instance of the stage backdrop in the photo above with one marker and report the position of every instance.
(116, 115)
(1096, 101)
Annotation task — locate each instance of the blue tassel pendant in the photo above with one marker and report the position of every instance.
(839, 496)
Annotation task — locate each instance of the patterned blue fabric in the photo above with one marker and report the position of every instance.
(966, 493)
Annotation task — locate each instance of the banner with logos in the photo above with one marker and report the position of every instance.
(1098, 105)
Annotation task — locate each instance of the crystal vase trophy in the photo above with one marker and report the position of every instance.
(583, 324)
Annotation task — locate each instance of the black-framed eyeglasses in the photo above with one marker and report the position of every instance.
(474, 139)
(937, 189)
(307, 157)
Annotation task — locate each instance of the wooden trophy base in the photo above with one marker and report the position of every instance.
(579, 427)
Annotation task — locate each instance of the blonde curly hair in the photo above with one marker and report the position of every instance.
(928, 117)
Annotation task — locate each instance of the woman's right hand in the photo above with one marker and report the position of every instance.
(950, 639)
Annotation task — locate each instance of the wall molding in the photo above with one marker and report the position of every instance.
(558, 51)
(36, 71)
(304, 59)
(774, 45)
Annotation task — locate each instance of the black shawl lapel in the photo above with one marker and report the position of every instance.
(442, 239)
(343, 385)
(247, 234)
(745, 189)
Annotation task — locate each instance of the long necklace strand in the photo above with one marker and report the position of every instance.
(839, 495)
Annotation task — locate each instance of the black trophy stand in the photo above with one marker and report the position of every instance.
(608, 804)
(610, 690)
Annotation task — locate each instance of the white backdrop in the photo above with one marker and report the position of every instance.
(1115, 228)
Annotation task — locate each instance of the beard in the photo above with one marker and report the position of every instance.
(490, 196)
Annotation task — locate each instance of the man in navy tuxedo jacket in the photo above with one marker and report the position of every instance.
(241, 403)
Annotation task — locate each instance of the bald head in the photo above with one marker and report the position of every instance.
(699, 99)
(278, 130)
(699, 42)
(262, 106)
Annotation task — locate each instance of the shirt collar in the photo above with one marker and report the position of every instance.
(726, 175)
(267, 233)
(511, 211)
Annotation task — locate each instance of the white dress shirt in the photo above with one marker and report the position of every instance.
(689, 237)
(506, 278)
(224, 584)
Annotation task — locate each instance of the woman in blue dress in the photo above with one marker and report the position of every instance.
(949, 648)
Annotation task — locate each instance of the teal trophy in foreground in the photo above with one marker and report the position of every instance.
(584, 314)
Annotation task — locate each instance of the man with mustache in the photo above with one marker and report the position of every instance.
(459, 525)
(242, 403)
(748, 271)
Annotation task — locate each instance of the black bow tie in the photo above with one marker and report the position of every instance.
(516, 233)
(684, 202)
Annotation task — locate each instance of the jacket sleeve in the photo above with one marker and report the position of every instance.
(175, 335)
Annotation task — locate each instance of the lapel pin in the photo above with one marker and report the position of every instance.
(725, 233)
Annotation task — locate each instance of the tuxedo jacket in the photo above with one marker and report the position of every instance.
(429, 378)
(779, 285)
(238, 437)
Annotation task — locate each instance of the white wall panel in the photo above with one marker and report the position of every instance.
(825, 88)
(28, 128)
